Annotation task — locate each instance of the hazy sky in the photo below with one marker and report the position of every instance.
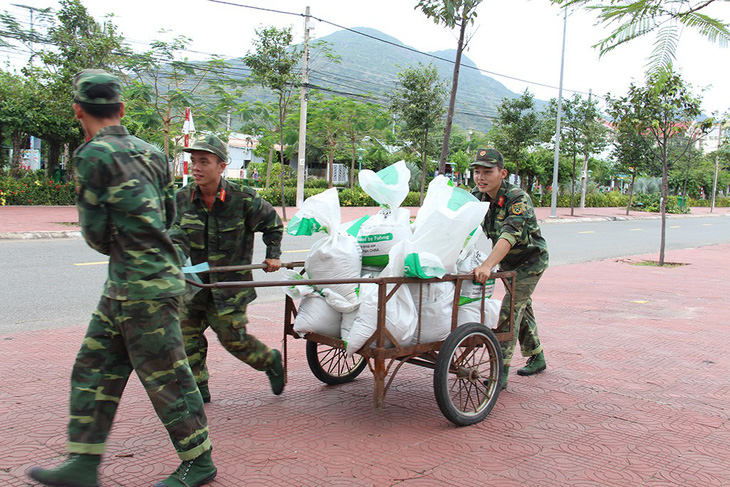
(512, 39)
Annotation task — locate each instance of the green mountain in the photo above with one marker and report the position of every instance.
(370, 66)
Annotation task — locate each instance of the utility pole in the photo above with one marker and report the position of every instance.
(556, 164)
(303, 115)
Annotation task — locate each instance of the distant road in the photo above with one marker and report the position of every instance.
(52, 283)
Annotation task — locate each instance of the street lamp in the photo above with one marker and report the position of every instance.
(360, 152)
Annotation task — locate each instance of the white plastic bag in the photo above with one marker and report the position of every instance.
(314, 315)
(436, 300)
(471, 312)
(471, 290)
(400, 312)
(336, 256)
(380, 232)
(442, 229)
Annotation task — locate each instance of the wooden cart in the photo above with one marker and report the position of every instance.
(467, 364)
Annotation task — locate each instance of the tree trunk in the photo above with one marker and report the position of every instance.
(330, 161)
(352, 164)
(663, 204)
(19, 140)
(452, 100)
(631, 192)
(54, 154)
(584, 182)
(268, 167)
(572, 187)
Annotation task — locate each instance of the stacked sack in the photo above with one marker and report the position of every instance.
(378, 234)
(336, 256)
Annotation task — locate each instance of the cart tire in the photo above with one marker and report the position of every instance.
(466, 375)
(331, 365)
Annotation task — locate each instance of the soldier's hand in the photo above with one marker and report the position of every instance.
(272, 265)
(482, 273)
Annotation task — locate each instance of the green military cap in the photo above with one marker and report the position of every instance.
(97, 87)
(212, 144)
(489, 158)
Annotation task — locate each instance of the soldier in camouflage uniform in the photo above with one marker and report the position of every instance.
(125, 202)
(216, 221)
(518, 246)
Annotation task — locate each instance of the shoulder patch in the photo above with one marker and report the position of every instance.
(518, 208)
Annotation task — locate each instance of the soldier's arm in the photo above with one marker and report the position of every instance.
(263, 218)
(96, 225)
(179, 237)
(499, 251)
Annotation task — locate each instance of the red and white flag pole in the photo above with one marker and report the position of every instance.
(188, 128)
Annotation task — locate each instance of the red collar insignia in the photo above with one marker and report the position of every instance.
(222, 195)
(500, 201)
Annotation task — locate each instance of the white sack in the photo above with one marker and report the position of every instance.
(442, 229)
(436, 303)
(392, 224)
(400, 312)
(314, 315)
(336, 256)
(471, 312)
(471, 290)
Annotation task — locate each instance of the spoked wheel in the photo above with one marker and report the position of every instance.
(467, 373)
(331, 365)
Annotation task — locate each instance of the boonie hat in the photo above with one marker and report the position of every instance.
(489, 158)
(97, 87)
(212, 144)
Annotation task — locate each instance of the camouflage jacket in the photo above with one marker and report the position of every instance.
(125, 202)
(224, 236)
(512, 217)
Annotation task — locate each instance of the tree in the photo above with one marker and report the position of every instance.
(273, 65)
(161, 84)
(583, 133)
(65, 42)
(663, 112)
(664, 18)
(630, 151)
(516, 129)
(451, 13)
(419, 102)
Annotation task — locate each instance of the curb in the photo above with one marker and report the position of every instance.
(39, 235)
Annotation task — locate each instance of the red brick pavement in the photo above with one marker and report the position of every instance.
(635, 393)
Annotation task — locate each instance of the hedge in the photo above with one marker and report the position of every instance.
(34, 188)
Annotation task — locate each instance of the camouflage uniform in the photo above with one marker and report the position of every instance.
(126, 205)
(223, 236)
(511, 216)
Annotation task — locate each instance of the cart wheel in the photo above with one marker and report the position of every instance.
(331, 365)
(467, 373)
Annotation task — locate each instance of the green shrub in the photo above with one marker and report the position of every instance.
(34, 188)
(651, 202)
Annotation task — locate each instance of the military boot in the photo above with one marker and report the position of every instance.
(535, 365)
(504, 378)
(205, 392)
(192, 473)
(276, 373)
(79, 470)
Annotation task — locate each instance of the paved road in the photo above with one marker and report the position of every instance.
(53, 283)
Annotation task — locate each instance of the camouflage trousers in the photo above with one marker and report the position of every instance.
(231, 331)
(143, 336)
(525, 326)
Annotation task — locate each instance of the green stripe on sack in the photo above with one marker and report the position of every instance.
(413, 268)
(355, 227)
(459, 198)
(378, 260)
(303, 226)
